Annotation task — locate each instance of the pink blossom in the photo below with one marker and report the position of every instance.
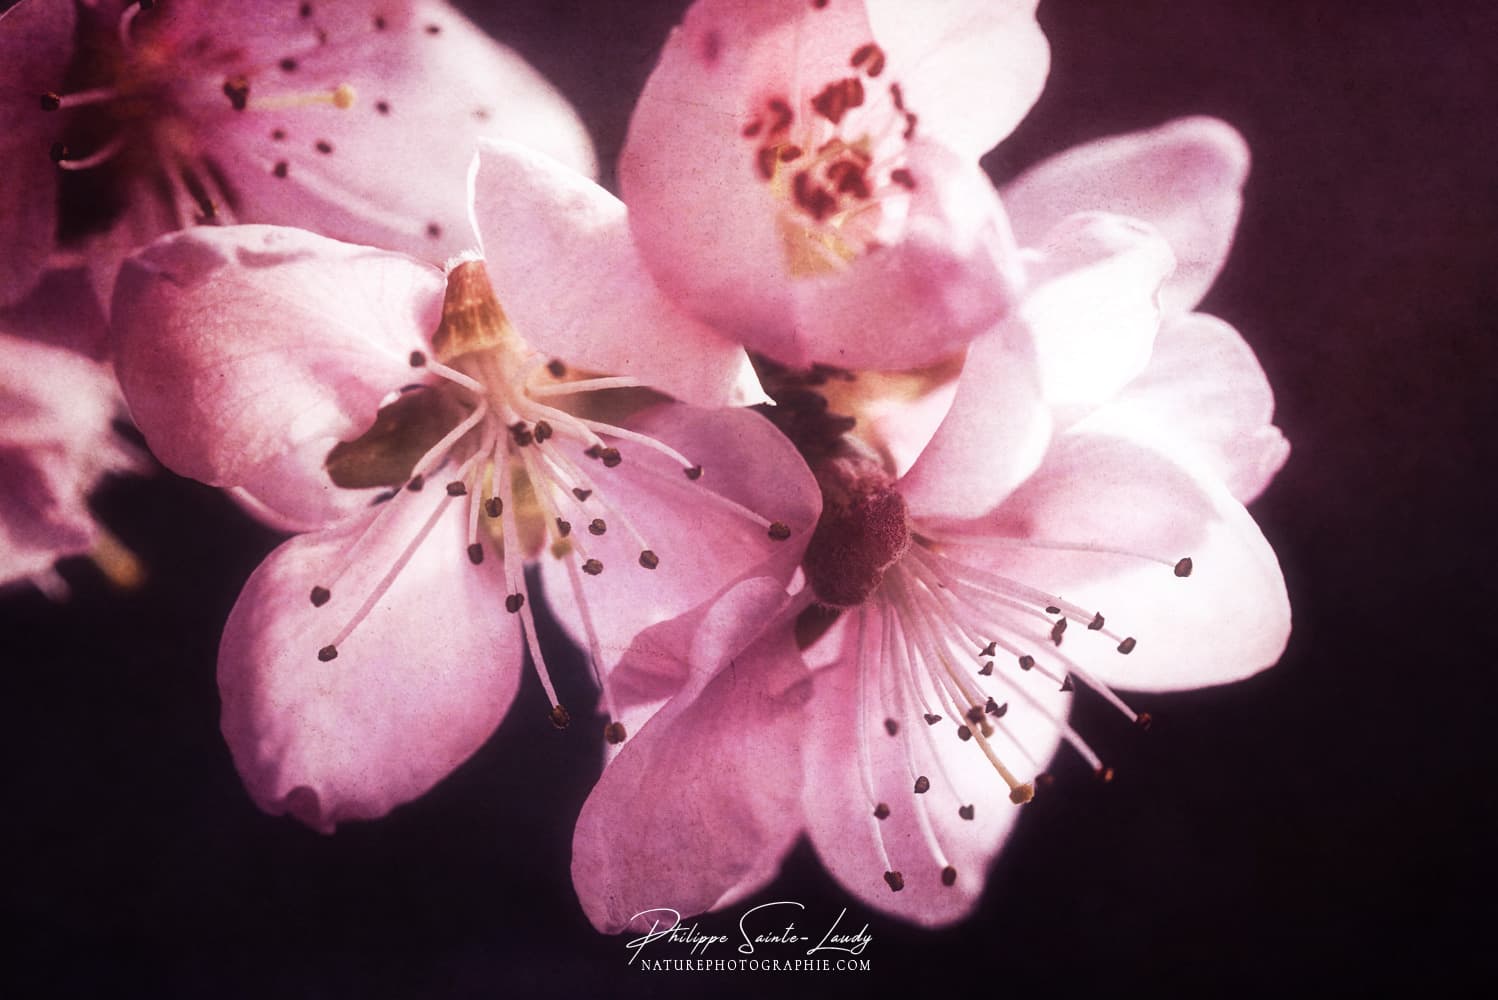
(122, 121)
(433, 444)
(819, 159)
(1075, 520)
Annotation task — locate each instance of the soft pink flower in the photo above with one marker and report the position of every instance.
(55, 445)
(1075, 520)
(804, 173)
(121, 121)
(368, 657)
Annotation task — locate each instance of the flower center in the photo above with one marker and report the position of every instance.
(834, 158)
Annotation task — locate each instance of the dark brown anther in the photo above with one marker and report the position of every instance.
(1051, 609)
(1183, 568)
(694, 473)
(752, 129)
(881, 811)
(434, 29)
(779, 531)
(821, 5)
(278, 134)
(560, 717)
(610, 457)
(966, 812)
(649, 559)
(1096, 623)
(494, 506)
(597, 526)
(932, 719)
(1066, 683)
(922, 785)
(556, 368)
(593, 450)
(949, 875)
(592, 567)
(581, 493)
(892, 727)
(910, 121)
(1104, 774)
(1144, 720)
(514, 602)
(416, 483)
(837, 98)
(902, 177)
(288, 65)
(433, 230)
(305, 10)
(996, 710)
(417, 359)
(764, 161)
(870, 54)
(783, 115)
(975, 713)
(521, 433)
(564, 528)
(237, 90)
(964, 733)
(281, 169)
(327, 653)
(50, 101)
(989, 650)
(543, 431)
(614, 733)
(321, 596)
(1127, 646)
(1027, 662)
(1020, 794)
(987, 668)
(456, 489)
(1058, 630)
(475, 553)
(58, 152)
(379, 23)
(894, 880)
(789, 152)
(384, 496)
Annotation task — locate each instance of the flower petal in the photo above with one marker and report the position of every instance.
(845, 738)
(415, 689)
(237, 347)
(1205, 400)
(713, 778)
(991, 439)
(1185, 178)
(703, 544)
(391, 169)
(1093, 308)
(971, 69)
(36, 37)
(559, 255)
(1100, 498)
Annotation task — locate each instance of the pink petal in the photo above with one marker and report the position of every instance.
(702, 802)
(970, 68)
(414, 690)
(390, 170)
(993, 437)
(1229, 619)
(1093, 306)
(717, 235)
(1205, 400)
(240, 347)
(702, 546)
(36, 39)
(845, 733)
(559, 255)
(1185, 178)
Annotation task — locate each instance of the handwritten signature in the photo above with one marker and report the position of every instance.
(756, 929)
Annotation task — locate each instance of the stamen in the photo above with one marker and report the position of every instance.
(342, 97)
(63, 157)
(51, 101)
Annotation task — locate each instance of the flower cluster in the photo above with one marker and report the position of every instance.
(844, 467)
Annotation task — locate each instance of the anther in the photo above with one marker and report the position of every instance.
(564, 528)
(892, 727)
(975, 713)
(964, 733)
(494, 506)
(417, 359)
(521, 435)
(1024, 792)
(288, 65)
(996, 710)
(237, 90)
(1104, 774)
(416, 483)
(1027, 662)
(966, 812)
(51, 101)
(327, 653)
(1051, 609)
(323, 146)
(903, 177)
(614, 733)
(1058, 630)
(581, 493)
(543, 430)
(894, 880)
(514, 602)
(321, 596)
(779, 531)
(610, 457)
(922, 785)
(456, 489)
(1066, 683)
(58, 152)
(1127, 646)
(434, 230)
(592, 567)
(932, 719)
(649, 559)
(949, 875)
(556, 368)
(989, 650)
(881, 811)
(597, 526)
(475, 553)
(281, 169)
(1144, 720)
(694, 473)
(560, 718)
(1183, 567)
(987, 668)
(1096, 623)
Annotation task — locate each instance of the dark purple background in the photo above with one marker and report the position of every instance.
(1328, 824)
